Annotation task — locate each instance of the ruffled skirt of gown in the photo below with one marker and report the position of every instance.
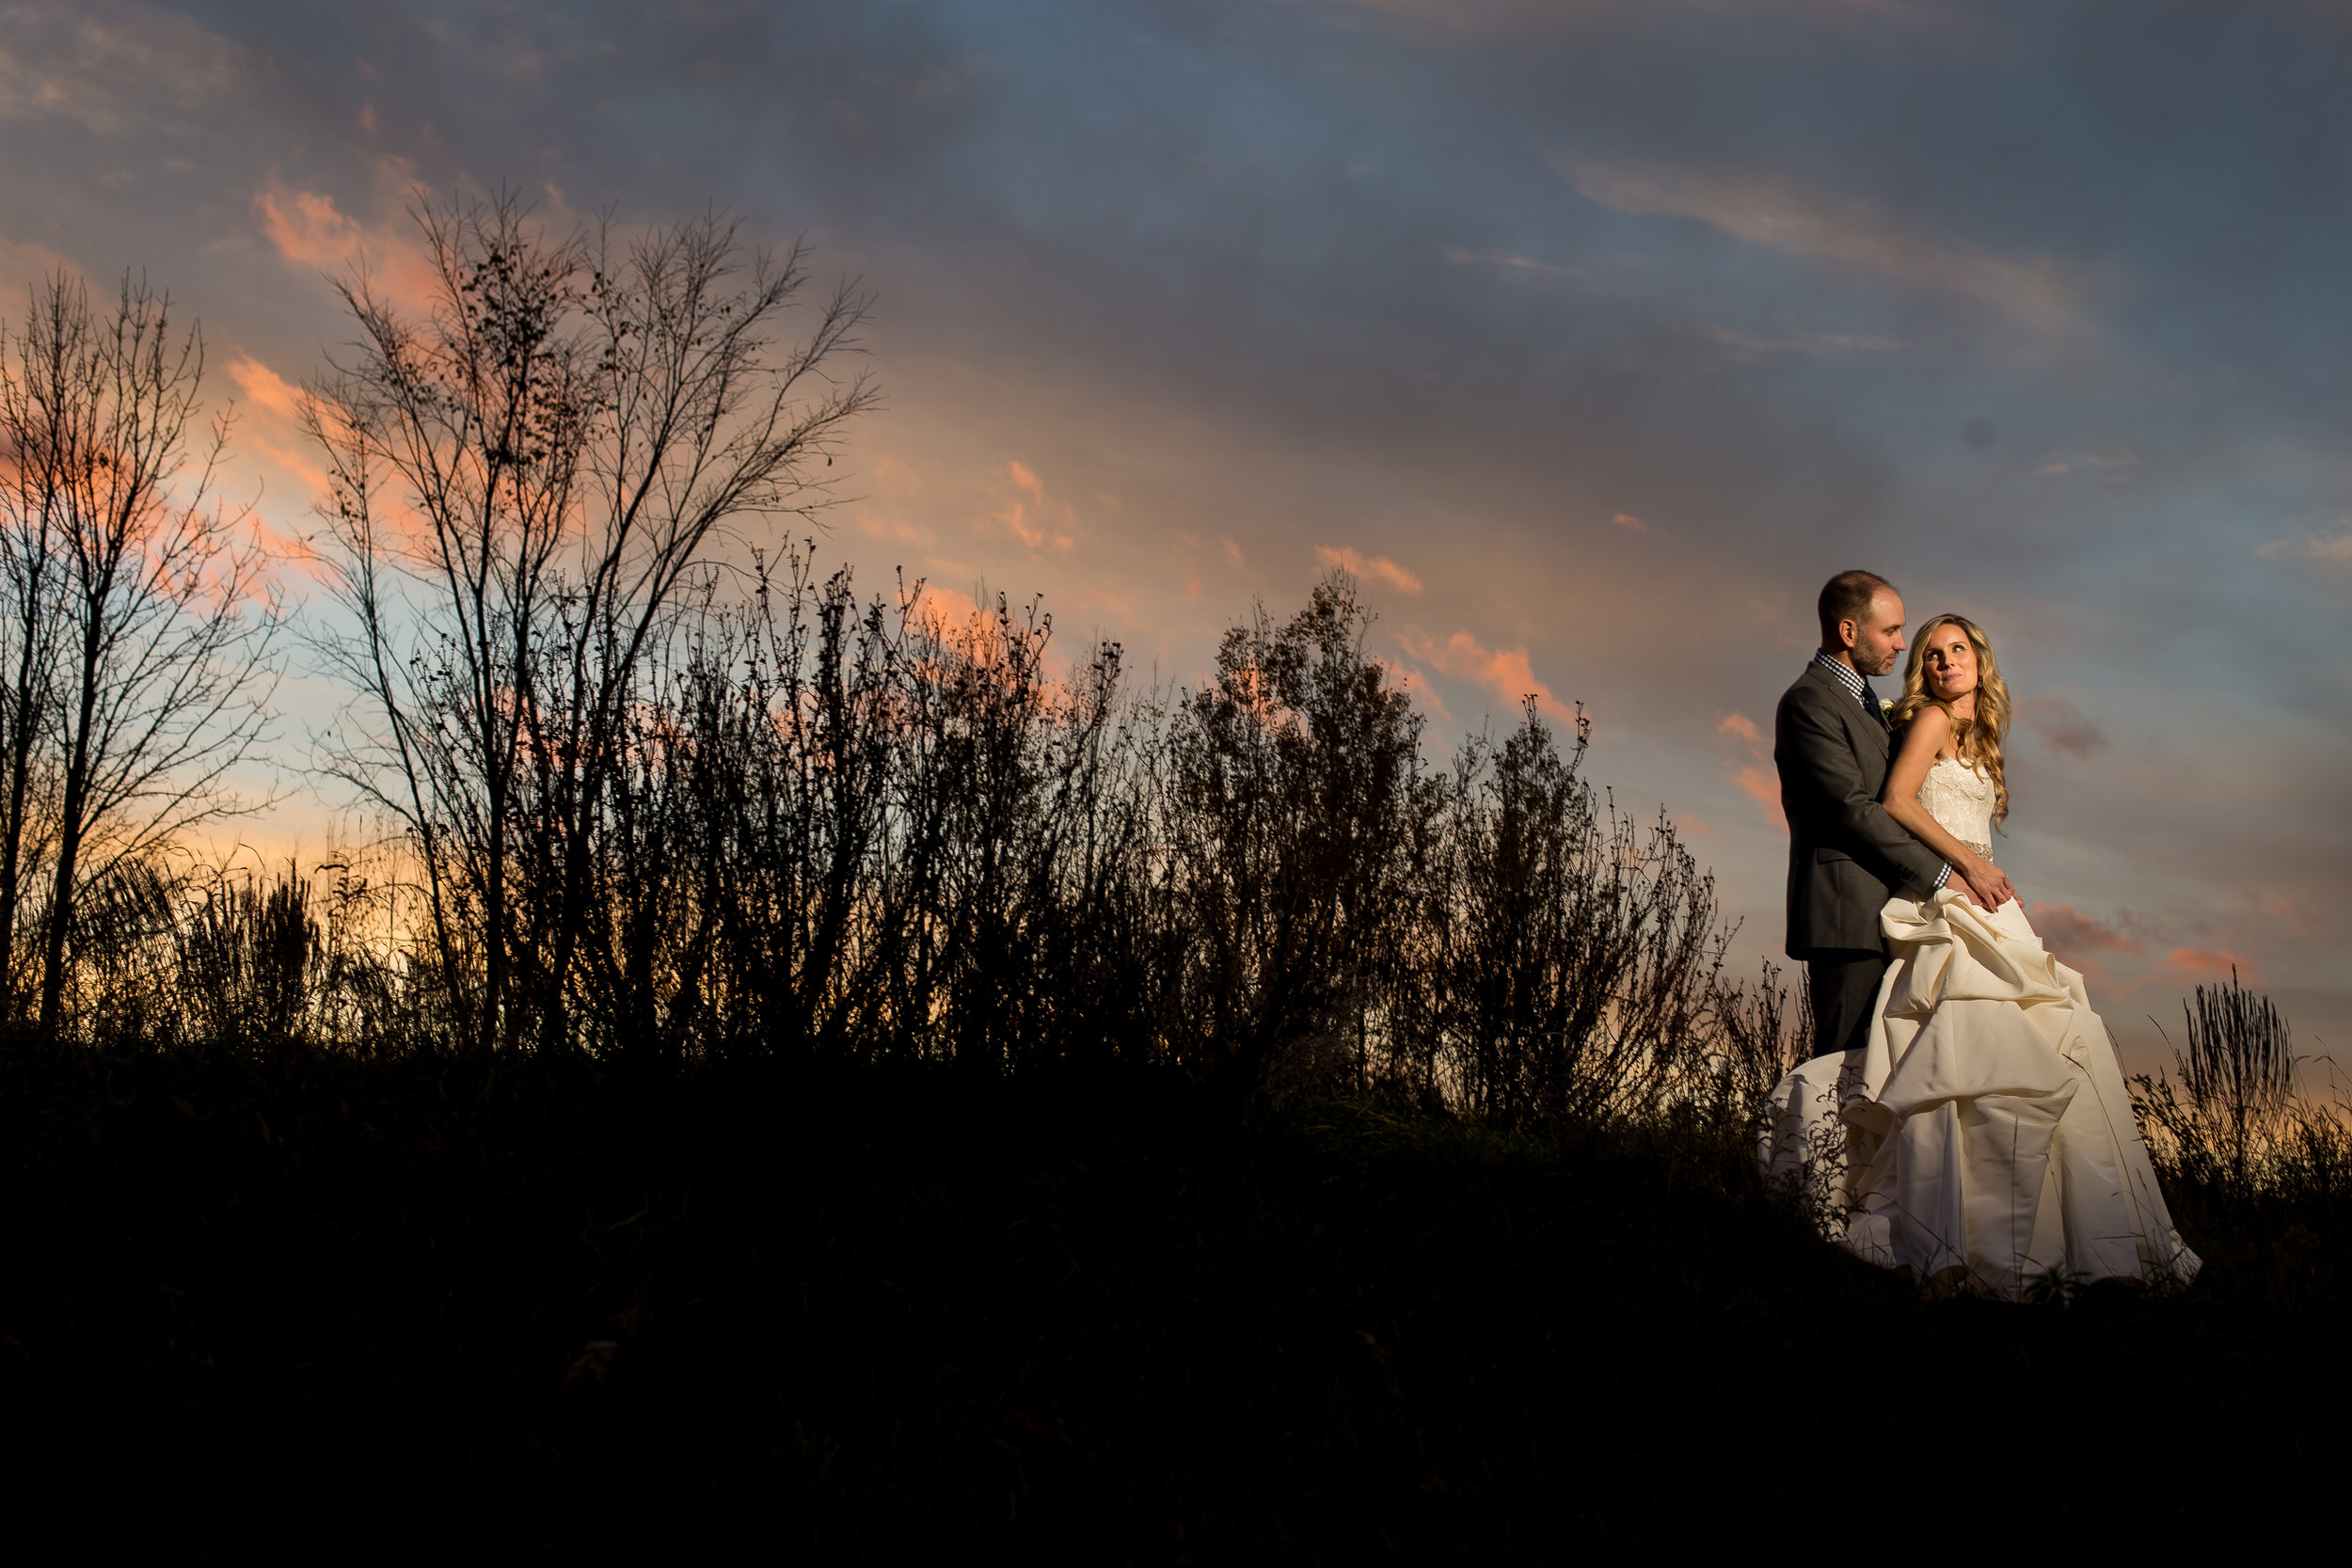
(1983, 1137)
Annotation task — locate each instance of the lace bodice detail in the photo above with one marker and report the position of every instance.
(1959, 797)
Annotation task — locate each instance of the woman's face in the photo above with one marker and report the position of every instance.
(1948, 661)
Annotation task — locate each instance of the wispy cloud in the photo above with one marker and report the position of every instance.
(24, 262)
(1781, 214)
(1487, 17)
(2062, 724)
(1424, 695)
(309, 228)
(2110, 463)
(1378, 568)
(891, 531)
(1759, 345)
(266, 386)
(2067, 932)
(944, 609)
(2210, 966)
(1751, 772)
(1036, 519)
(2333, 546)
(108, 70)
(1457, 256)
(1504, 671)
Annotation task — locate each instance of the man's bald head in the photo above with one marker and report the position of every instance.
(1861, 619)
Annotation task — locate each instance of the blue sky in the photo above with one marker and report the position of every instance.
(1595, 333)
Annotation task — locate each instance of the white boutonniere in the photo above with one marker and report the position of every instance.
(1886, 705)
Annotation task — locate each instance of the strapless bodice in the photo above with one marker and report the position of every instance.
(1959, 797)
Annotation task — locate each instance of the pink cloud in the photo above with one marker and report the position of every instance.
(1631, 524)
(1032, 517)
(1744, 727)
(892, 532)
(1378, 568)
(2059, 722)
(307, 227)
(1754, 777)
(2073, 936)
(1504, 671)
(2297, 918)
(266, 386)
(269, 438)
(1424, 695)
(2210, 966)
(24, 262)
(1764, 789)
(943, 608)
(890, 476)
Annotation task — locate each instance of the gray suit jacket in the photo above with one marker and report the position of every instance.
(1845, 856)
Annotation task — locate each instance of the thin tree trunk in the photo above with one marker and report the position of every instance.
(19, 766)
(69, 833)
(494, 900)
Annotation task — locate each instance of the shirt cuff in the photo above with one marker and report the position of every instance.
(1941, 878)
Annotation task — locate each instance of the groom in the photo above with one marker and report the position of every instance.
(1845, 856)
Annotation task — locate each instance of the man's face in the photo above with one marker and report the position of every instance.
(1877, 639)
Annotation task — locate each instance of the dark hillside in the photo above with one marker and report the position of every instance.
(885, 1312)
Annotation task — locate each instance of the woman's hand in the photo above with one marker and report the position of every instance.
(1984, 883)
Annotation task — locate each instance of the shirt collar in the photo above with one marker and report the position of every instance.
(1847, 676)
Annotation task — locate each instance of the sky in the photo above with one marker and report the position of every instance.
(1592, 335)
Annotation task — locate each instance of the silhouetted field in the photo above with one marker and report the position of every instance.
(896, 1311)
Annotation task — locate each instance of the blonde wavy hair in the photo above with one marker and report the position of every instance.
(1977, 741)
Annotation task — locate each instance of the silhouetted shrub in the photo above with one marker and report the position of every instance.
(2236, 1123)
(862, 829)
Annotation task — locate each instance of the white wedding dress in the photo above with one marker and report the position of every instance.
(1983, 1137)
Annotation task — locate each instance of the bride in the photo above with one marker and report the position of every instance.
(1981, 1136)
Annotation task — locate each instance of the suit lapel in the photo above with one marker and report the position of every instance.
(1866, 726)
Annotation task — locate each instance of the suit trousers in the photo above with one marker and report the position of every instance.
(1845, 991)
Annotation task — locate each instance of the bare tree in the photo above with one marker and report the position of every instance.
(29, 619)
(140, 673)
(529, 474)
